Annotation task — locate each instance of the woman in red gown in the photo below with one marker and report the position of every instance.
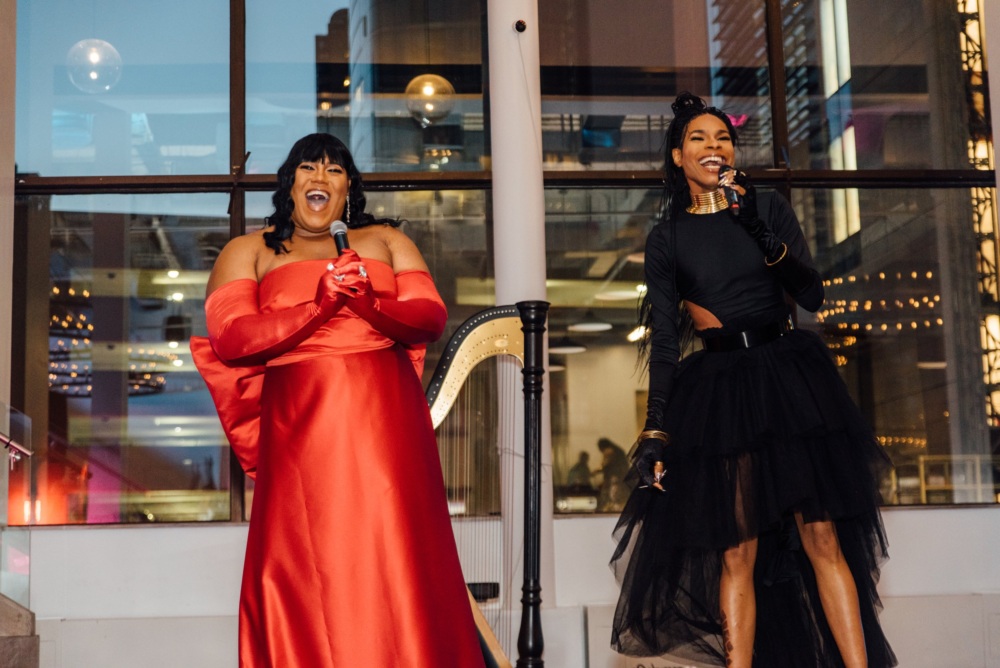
(310, 359)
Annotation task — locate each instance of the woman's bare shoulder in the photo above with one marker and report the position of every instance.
(239, 259)
(404, 252)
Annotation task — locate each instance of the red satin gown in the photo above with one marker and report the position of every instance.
(351, 560)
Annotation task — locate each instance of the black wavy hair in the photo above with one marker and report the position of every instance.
(677, 195)
(316, 148)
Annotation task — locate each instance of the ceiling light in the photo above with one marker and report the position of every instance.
(590, 323)
(566, 346)
(617, 295)
(636, 334)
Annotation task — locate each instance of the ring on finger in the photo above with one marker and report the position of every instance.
(362, 272)
(338, 277)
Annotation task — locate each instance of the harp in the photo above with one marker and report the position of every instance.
(474, 403)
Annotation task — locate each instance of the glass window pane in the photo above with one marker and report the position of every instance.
(910, 318)
(353, 71)
(607, 83)
(132, 433)
(111, 87)
(874, 85)
(594, 252)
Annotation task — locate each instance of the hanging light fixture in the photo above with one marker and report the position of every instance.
(566, 346)
(429, 97)
(93, 65)
(590, 323)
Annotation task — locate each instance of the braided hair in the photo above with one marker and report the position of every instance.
(686, 108)
(675, 197)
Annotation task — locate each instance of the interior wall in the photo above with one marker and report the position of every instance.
(163, 579)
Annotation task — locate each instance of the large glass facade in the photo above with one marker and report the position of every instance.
(131, 432)
(878, 86)
(110, 87)
(906, 318)
(138, 158)
(403, 87)
(607, 82)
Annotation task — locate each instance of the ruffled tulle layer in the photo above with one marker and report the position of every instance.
(762, 434)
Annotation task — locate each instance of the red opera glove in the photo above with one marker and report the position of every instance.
(416, 316)
(239, 332)
(236, 392)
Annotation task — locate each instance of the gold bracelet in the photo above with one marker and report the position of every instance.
(654, 433)
(784, 252)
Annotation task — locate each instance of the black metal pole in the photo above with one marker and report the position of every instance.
(529, 641)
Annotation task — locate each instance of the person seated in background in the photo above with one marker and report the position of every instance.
(580, 473)
(614, 467)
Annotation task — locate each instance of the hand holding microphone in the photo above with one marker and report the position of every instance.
(338, 230)
(744, 208)
(347, 270)
(727, 178)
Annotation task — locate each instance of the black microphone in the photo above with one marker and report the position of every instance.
(338, 230)
(732, 196)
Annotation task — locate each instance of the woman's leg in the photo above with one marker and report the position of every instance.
(739, 607)
(837, 591)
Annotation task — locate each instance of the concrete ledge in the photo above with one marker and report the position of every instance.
(19, 652)
(15, 620)
(160, 642)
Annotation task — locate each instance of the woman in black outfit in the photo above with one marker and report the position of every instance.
(763, 547)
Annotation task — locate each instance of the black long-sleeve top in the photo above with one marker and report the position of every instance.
(719, 268)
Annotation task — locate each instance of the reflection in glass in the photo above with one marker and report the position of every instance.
(907, 318)
(131, 433)
(594, 242)
(607, 83)
(15, 565)
(329, 67)
(910, 320)
(110, 87)
(93, 65)
(429, 98)
(863, 93)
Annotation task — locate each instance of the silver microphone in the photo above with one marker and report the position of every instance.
(732, 196)
(338, 230)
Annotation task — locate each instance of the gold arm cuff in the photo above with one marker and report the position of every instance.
(784, 252)
(654, 433)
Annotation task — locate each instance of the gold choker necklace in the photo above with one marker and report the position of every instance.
(708, 202)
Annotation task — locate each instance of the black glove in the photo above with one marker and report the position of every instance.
(769, 244)
(647, 453)
(797, 277)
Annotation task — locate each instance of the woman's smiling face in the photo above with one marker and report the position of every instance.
(319, 194)
(706, 146)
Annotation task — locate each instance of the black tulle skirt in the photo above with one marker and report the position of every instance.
(763, 433)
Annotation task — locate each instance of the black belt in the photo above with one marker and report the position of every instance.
(748, 338)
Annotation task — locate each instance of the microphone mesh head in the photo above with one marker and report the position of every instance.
(338, 226)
